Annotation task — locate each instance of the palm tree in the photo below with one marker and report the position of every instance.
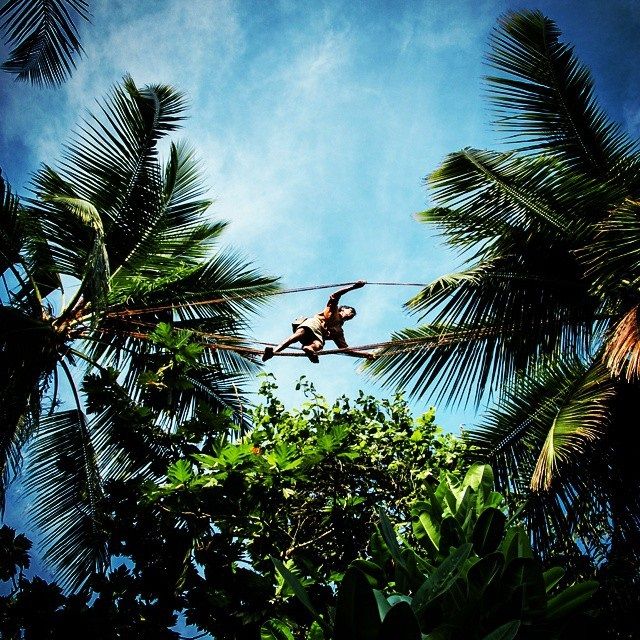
(111, 244)
(43, 37)
(545, 307)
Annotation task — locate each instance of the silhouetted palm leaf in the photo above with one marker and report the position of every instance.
(546, 97)
(44, 38)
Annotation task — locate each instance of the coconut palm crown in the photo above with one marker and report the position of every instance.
(110, 244)
(545, 309)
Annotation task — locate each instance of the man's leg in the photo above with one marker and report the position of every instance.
(298, 336)
(311, 349)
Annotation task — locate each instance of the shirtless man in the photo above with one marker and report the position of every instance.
(326, 325)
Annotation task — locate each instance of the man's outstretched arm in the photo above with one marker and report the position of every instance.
(336, 295)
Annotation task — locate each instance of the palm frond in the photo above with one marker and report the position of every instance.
(180, 237)
(453, 362)
(498, 317)
(582, 418)
(64, 478)
(546, 97)
(31, 272)
(481, 195)
(564, 392)
(11, 227)
(113, 163)
(73, 235)
(612, 259)
(548, 431)
(44, 38)
(27, 361)
(622, 350)
(226, 285)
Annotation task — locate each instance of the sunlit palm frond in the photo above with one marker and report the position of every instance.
(504, 314)
(74, 235)
(549, 430)
(622, 350)
(224, 285)
(546, 98)
(453, 362)
(502, 191)
(44, 38)
(181, 236)
(582, 418)
(565, 394)
(481, 195)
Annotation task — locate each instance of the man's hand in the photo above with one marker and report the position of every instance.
(358, 285)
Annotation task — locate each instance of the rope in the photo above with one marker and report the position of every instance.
(243, 296)
(412, 344)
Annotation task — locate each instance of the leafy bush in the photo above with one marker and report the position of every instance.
(471, 575)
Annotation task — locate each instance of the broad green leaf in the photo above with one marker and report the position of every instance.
(552, 577)
(275, 630)
(299, 590)
(383, 603)
(447, 499)
(400, 623)
(524, 575)
(207, 461)
(480, 478)
(315, 632)
(516, 544)
(507, 631)
(389, 536)
(442, 578)
(357, 616)
(488, 531)
(431, 527)
(451, 534)
(180, 472)
(373, 572)
(395, 598)
(570, 599)
(484, 572)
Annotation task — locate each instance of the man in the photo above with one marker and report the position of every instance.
(326, 325)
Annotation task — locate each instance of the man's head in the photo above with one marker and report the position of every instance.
(346, 312)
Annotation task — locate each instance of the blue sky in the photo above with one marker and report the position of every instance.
(317, 122)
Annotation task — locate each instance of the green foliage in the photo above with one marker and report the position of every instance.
(469, 576)
(302, 486)
(306, 484)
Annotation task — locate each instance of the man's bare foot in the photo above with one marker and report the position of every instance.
(268, 354)
(311, 354)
